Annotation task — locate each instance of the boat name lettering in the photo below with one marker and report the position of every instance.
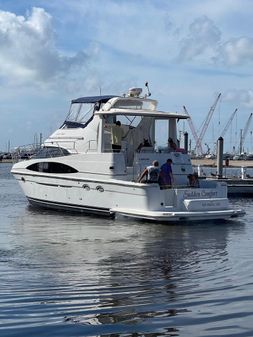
(209, 194)
(200, 194)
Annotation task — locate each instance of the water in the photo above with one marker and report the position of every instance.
(70, 275)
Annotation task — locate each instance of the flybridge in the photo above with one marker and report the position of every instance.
(133, 92)
(83, 109)
(132, 103)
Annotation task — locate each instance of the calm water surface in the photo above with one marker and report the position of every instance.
(68, 275)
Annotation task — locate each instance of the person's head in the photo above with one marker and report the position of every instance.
(118, 123)
(155, 163)
(195, 175)
(190, 177)
(193, 178)
(170, 140)
(169, 161)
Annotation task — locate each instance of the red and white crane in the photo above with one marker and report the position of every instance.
(244, 132)
(199, 139)
(228, 123)
(193, 130)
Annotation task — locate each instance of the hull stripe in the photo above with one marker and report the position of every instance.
(69, 207)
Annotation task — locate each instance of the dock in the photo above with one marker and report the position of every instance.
(237, 186)
(213, 163)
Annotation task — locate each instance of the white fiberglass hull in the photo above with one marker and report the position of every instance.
(181, 216)
(117, 197)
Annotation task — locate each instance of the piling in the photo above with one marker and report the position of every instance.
(186, 142)
(220, 157)
(243, 172)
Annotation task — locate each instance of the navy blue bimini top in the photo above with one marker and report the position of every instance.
(93, 99)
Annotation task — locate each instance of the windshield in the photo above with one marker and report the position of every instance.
(79, 115)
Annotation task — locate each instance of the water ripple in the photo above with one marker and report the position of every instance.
(66, 275)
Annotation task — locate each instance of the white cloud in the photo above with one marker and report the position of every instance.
(28, 51)
(237, 51)
(202, 39)
(240, 97)
(204, 43)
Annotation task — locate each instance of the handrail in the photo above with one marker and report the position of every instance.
(89, 145)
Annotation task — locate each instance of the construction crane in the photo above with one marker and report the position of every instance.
(194, 133)
(228, 123)
(205, 125)
(198, 139)
(244, 132)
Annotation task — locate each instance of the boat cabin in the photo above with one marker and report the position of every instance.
(88, 129)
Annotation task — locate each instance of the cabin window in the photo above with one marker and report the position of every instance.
(50, 152)
(51, 167)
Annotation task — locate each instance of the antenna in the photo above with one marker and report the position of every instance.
(149, 93)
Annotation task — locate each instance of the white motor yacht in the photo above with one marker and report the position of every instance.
(78, 170)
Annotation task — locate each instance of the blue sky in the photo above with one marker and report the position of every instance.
(188, 51)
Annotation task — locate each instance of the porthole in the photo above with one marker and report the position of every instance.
(100, 188)
(86, 187)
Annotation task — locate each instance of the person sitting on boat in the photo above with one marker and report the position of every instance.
(172, 145)
(117, 135)
(151, 173)
(145, 143)
(166, 176)
(193, 179)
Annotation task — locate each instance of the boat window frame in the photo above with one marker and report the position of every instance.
(51, 167)
(78, 119)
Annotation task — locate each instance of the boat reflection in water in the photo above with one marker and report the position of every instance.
(79, 275)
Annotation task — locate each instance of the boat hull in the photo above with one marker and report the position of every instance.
(60, 206)
(116, 197)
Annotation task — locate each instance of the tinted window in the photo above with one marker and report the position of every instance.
(49, 152)
(51, 167)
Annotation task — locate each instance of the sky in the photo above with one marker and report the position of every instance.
(189, 51)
